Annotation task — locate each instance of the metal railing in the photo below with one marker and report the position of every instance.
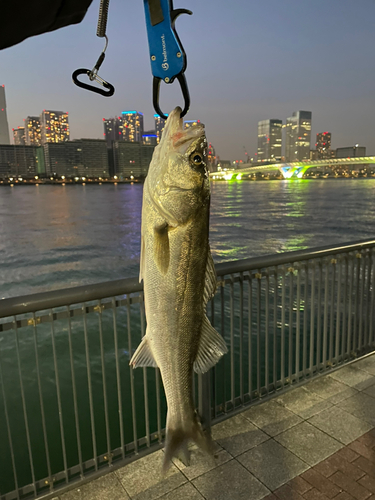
(71, 407)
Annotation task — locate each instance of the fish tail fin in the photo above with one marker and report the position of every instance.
(177, 440)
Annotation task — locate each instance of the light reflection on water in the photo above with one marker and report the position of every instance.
(59, 236)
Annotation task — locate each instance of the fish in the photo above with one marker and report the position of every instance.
(179, 279)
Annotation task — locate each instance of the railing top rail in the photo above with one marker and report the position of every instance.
(76, 295)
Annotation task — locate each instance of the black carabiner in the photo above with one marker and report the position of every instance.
(106, 93)
(156, 90)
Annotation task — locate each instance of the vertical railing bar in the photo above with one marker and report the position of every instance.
(349, 339)
(45, 438)
(275, 301)
(222, 316)
(361, 311)
(213, 370)
(312, 318)
(58, 393)
(118, 378)
(145, 381)
(298, 321)
(305, 300)
(344, 308)
(338, 312)
(266, 333)
(89, 382)
(319, 320)
(368, 289)
(24, 408)
(8, 428)
(250, 331)
(259, 300)
(74, 393)
(325, 318)
(333, 282)
(232, 371)
(241, 339)
(158, 406)
(134, 413)
(283, 329)
(356, 307)
(291, 322)
(371, 334)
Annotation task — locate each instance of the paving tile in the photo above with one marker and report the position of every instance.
(354, 377)
(300, 485)
(303, 402)
(142, 479)
(327, 387)
(104, 487)
(271, 496)
(367, 364)
(340, 424)
(365, 465)
(308, 443)
(200, 462)
(368, 482)
(184, 492)
(337, 463)
(370, 391)
(273, 464)
(361, 449)
(361, 406)
(367, 439)
(314, 494)
(320, 483)
(348, 454)
(287, 493)
(344, 496)
(230, 480)
(352, 487)
(238, 434)
(272, 418)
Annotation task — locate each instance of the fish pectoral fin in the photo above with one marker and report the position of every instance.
(211, 348)
(210, 279)
(161, 248)
(143, 355)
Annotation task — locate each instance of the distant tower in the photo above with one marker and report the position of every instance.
(298, 136)
(191, 123)
(269, 140)
(19, 136)
(211, 158)
(33, 135)
(159, 127)
(4, 128)
(323, 145)
(54, 126)
(132, 126)
(112, 130)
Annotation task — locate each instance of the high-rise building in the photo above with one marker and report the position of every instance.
(351, 152)
(131, 127)
(19, 136)
(131, 158)
(54, 126)
(150, 138)
(211, 158)
(25, 161)
(112, 130)
(269, 140)
(33, 134)
(4, 128)
(159, 127)
(298, 136)
(191, 123)
(323, 145)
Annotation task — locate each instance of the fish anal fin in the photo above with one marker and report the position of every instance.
(143, 355)
(210, 279)
(211, 348)
(161, 248)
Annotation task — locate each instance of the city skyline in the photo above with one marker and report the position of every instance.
(233, 84)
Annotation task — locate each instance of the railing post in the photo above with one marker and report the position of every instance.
(204, 400)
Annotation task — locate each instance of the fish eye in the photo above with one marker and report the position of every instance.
(196, 159)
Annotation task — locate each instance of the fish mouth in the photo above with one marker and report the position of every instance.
(182, 139)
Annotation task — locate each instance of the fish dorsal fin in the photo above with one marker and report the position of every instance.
(210, 279)
(143, 355)
(211, 347)
(161, 248)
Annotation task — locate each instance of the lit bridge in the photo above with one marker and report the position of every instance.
(292, 169)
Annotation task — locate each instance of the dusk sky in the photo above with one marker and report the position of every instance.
(247, 61)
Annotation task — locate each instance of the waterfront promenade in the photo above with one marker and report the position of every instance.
(314, 442)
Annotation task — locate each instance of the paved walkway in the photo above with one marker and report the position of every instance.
(315, 442)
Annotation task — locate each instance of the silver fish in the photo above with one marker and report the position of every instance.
(179, 278)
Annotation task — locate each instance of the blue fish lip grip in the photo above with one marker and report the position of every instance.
(167, 55)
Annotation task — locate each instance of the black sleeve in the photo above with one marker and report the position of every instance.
(20, 19)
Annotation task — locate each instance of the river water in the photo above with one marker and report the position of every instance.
(60, 236)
